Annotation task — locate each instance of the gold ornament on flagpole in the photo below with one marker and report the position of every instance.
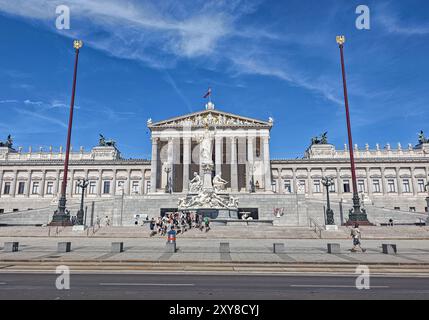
(77, 44)
(341, 40)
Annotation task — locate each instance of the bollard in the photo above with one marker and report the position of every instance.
(278, 248)
(64, 246)
(117, 247)
(170, 247)
(334, 248)
(224, 247)
(389, 248)
(11, 246)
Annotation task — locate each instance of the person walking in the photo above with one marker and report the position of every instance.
(152, 227)
(207, 223)
(356, 236)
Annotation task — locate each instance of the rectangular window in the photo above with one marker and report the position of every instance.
(50, 188)
(406, 186)
(6, 189)
(332, 188)
(391, 186)
(412, 209)
(421, 185)
(77, 189)
(302, 186)
(397, 208)
(121, 185)
(376, 186)
(148, 186)
(135, 187)
(1, 211)
(35, 189)
(274, 186)
(346, 185)
(287, 186)
(258, 147)
(92, 187)
(21, 187)
(317, 188)
(106, 187)
(361, 186)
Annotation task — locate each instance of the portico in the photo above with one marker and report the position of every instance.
(240, 150)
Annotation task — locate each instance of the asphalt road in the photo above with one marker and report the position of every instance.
(217, 286)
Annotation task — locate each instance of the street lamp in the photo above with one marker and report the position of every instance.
(81, 184)
(356, 214)
(327, 182)
(61, 216)
(427, 198)
(168, 188)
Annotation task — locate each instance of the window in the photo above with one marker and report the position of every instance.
(346, 185)
(426, 209)
(50, 188)
(35, 189)
(406, 185)
(332, 188)
(15, 210)
(91, 188)
(148, 186)
(361, 186)
(77, 189)
(106, 187)
(1, 211)
(274, 186)
(317, 188)
(412, 209)
(376, 186)
(391, 185)
(121, 186)
(421, 185)
(301, 186)
(287, 186)
(397, 208)
(135, 187)
(21, 187)
(6, 189)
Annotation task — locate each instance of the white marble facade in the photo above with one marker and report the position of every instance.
(388, 177)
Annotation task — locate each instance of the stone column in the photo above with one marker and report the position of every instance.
(368, 182)
(42, 187)
(398, 181)
(71, 184)
(154, 165)
(170, 160)
(234, 177)
(383, 181)
(339, 184)
(100, 182)
(413, 182)
(114, 183)
(13, 184)
(27, 194)
(186, 162)
(250, 162)
(57, 184)
(294, 187)
(218, 154)
(1, 182)
(127, 184)
(267, 164)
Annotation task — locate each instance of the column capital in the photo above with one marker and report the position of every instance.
(155, 140)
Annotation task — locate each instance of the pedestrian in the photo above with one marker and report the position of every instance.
(207, 223)
(152, 227)
(356, 236)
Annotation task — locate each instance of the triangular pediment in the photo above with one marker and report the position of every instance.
(212, 118)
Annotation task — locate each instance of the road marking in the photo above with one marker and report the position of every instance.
(332, 286)
(2, 283)
(149, 284)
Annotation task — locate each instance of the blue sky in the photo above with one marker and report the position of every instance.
(155, 59)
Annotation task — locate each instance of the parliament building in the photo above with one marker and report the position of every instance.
(391, 180)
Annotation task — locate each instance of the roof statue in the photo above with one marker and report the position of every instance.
(102, 142)
(8, 143)
(422, 138)
(322, 140)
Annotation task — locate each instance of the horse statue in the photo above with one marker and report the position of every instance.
(8, 143)
(102, 142)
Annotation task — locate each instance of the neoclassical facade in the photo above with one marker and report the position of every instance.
(390, 178)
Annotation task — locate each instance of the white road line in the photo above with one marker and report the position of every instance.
(149, 284)
(2, 283)
(332, 286)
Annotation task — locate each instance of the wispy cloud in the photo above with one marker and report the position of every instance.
(396, 26)
(41, 117)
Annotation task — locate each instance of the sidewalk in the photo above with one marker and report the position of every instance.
(313, 251)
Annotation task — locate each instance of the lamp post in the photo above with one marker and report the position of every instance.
(61, 216)
(327, 182)
(356, 214)
(81, 184)
(427, 198)
(168, 188)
